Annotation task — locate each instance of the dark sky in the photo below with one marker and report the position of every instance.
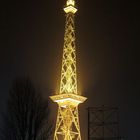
(107, 34)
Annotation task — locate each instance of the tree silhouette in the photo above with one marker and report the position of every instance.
(27, 116)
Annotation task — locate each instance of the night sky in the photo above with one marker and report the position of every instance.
(107, 33)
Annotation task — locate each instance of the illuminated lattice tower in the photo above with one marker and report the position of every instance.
(68, 99)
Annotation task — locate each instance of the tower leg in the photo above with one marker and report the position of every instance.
(67, 124)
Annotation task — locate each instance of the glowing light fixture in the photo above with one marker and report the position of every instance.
(70, 2)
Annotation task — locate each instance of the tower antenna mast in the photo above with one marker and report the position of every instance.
(68, 98)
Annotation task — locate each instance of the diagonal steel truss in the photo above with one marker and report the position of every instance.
(67, 124)
(68, 74)
(103, 123)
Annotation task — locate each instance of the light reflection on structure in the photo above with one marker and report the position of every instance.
(68, 99)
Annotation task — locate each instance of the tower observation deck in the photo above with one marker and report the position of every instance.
(68, 98)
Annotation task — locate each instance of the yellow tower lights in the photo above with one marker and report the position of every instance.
(68, 99)
(70, 7)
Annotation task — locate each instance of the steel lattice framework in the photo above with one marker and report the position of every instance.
(67, 123)
(103, 123)
(68, 74)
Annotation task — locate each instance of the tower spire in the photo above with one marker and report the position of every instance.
(70, 2)
(68, 98)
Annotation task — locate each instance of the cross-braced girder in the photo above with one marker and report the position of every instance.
(68, 82)
(67, 125)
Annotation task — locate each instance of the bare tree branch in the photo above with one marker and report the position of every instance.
(27, 115)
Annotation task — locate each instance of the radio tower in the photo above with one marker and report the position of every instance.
(68, 99)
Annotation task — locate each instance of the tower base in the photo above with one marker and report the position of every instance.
(67, 124)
